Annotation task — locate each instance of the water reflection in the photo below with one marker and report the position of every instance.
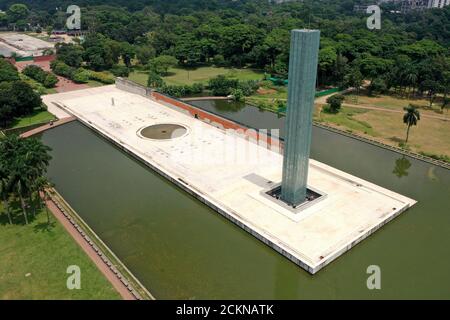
(401, 167)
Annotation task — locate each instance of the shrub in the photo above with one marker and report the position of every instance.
(62, 69)
(102, 77)
(248, 87)
(335, 102)
(221, 86)
(154, 80)
(48, 79)
(81, 75)
(181, 91)
(8, 72)
(237, 94)
(378, 86)
(36, 86)
(120, 71)
(219, 60)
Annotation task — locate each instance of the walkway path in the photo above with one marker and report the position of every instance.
(63, 84)
(112, 278)
(47, 126)
(323, 100)
(422, 114)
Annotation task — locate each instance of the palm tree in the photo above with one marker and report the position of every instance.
(411, 79)
(36, 156)
(410, 118)
(23, 163)
(19, 182)
(41, 185)
(36, 159)
(4, 192)
(7, 149)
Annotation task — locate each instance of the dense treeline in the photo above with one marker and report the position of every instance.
(17, 98)
(409, 54)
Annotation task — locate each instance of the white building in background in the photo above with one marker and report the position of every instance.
(408, 5)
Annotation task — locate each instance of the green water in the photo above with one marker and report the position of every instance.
(179, 248)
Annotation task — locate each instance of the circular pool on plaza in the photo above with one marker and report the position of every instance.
(163, 131)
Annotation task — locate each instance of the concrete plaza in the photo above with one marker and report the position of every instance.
(232, 175)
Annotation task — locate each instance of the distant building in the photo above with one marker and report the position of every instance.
(360, 8)
(410, 5)
(363, 8)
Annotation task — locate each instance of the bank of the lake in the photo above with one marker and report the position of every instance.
(179, 248)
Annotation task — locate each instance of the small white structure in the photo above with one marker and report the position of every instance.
(23, 45)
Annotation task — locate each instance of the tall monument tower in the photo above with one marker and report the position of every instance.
(303, 61)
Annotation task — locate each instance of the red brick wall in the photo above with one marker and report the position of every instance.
(45, 58)
(227, 124)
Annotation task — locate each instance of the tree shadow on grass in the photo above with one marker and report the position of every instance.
(44, 227)
(35, 112)
(397, 139)
(17, 214)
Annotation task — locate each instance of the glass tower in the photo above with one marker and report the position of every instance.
(303, 61)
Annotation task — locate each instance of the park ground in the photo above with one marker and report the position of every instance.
(381, 118)
(377, 117)
(181, 76)
(34, 261)
(430, 137)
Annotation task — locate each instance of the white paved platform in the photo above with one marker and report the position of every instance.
(23, 44)
(200, 163)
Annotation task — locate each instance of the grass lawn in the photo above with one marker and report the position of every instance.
(181, 76)
(346, 118)
(34, 260)
(431, 136)
(394, 102)
(38, 116)
(94, 83)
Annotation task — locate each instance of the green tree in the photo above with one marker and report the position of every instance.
(154, 80)
(127, 52)
(161, 64)
(432, 88)
(17, 99)
(41, 185)
(23, 162)
(275, 43)
(354, 79)
(70, 54)
(335, 102)
(144, 54)
(4, 192)
(222, 86)
(17, 12)
(327, 62)
(410, 118)
(238, 94)
(8, 72)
